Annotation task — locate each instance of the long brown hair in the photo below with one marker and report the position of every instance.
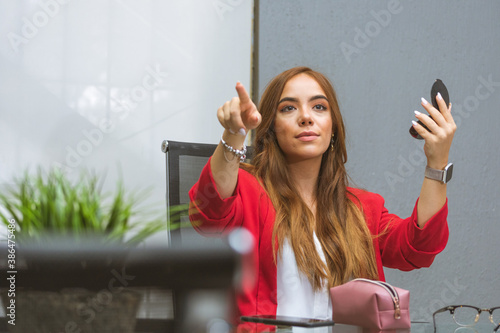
(340, 225)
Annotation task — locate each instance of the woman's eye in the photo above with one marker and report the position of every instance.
(320, 107)
(287, 108)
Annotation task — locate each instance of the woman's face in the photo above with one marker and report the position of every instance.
(303, 123)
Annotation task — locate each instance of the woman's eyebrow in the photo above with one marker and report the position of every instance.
(288, 99)
(293, 99)
(318, 97)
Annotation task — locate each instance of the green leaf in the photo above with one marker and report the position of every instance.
(49, 203)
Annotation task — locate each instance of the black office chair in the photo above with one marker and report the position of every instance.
(184, 162)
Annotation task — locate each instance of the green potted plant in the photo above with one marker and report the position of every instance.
(49, 205)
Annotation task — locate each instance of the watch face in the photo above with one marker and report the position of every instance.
(449, 172)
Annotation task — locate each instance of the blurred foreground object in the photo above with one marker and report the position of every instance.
(100, 277)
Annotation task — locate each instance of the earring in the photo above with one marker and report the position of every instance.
(332, 142)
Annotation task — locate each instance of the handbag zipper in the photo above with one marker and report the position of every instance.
(390, 289)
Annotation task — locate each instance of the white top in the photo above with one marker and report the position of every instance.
(295, 294)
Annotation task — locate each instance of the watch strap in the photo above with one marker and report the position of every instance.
(439, 175)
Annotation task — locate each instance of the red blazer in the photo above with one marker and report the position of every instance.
(405, 246)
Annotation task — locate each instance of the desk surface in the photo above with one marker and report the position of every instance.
(480, 327)
(166, 326)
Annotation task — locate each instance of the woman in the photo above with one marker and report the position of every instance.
(296, 193)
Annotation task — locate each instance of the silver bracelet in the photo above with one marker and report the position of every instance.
(242, 154)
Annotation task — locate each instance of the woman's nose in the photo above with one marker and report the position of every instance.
(305, 118)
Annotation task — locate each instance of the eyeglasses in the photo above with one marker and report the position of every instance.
(468, 315)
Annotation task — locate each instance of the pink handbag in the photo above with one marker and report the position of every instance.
(371, 304)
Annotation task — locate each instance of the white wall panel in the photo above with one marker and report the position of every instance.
(98, 84)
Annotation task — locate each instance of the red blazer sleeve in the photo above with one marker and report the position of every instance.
(401, 243)
(406, 246)
(213, 216)
(209, 213)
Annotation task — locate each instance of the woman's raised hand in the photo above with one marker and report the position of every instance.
(239, 115)
(437, 148)
(442, 128)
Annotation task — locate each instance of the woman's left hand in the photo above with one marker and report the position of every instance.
(442, 128)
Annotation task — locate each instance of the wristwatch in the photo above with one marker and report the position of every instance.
(444, 176)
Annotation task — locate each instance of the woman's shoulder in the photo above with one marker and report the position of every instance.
(366, 198)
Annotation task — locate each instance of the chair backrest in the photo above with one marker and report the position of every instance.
(184, 162)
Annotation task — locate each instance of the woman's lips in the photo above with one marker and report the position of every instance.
(307, 136)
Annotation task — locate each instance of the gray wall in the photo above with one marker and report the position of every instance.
(380, 77)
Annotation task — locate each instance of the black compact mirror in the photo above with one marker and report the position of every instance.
(438, 86)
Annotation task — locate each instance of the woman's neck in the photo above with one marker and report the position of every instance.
(305, 176)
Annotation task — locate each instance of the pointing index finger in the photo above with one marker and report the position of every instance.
(242, 93)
